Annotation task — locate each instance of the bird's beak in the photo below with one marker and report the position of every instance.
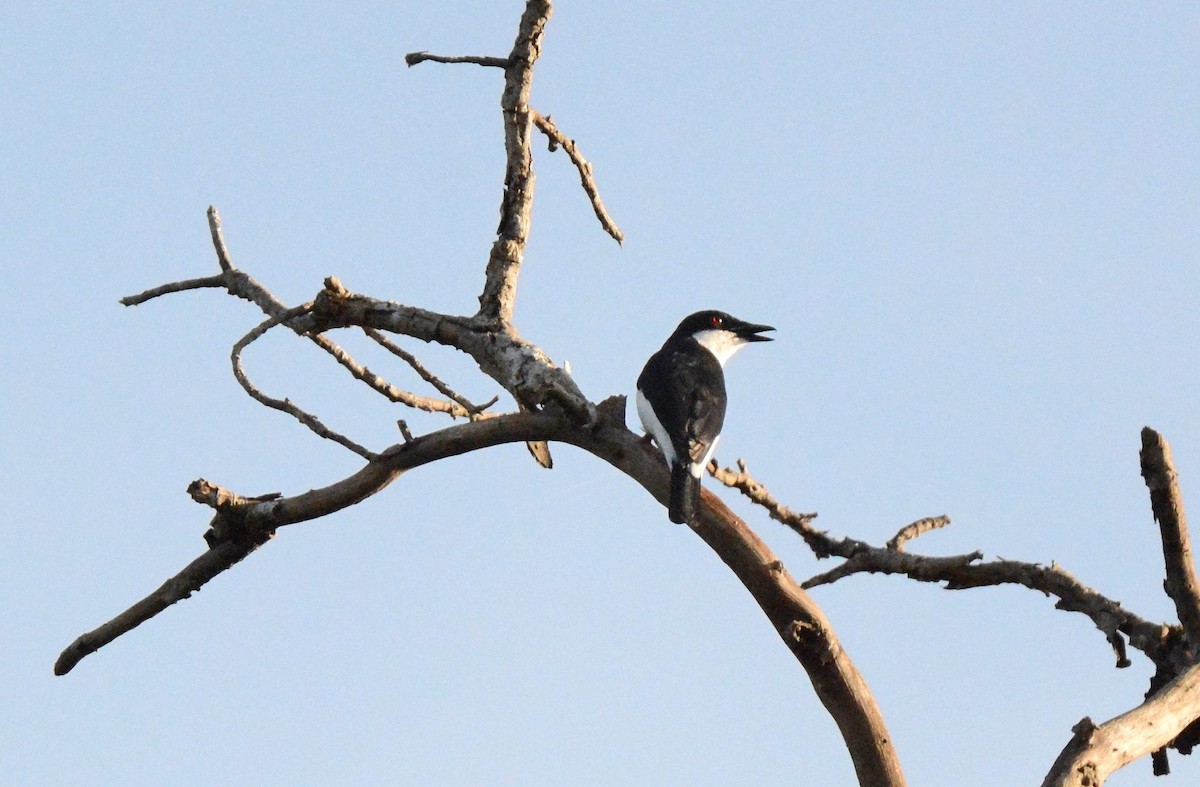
(750, 333)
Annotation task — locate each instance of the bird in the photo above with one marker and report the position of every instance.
(681, 398)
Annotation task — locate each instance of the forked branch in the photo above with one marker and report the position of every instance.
(957, 572)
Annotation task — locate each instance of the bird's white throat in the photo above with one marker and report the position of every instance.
(722, 344)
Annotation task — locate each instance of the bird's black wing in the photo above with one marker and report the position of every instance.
(695, 381)
(707, 410)
(688, 387)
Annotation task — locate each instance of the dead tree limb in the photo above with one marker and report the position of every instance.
(552, 407)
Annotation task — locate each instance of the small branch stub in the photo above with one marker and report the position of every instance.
(413, 58)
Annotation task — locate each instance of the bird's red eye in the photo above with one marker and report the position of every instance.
(715, 320)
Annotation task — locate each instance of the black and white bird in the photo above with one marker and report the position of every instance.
(681, 398)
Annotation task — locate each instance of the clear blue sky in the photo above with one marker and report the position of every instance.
(975, 226)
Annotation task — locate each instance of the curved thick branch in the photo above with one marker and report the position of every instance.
(792, 612)
(243, 524)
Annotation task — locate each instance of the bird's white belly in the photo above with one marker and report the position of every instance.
(655, 429)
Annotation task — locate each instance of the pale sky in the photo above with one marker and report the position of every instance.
(975, 227)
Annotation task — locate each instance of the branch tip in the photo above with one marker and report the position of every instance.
(556, 139)
(218, 239)
(1166, 504)
(413, 58)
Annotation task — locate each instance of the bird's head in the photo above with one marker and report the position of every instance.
(720, 333)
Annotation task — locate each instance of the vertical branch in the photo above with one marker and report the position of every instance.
(1166, 502)
(508, 252)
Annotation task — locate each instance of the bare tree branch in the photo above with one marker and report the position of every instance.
(178, 587)
(394, 394)
(519, 366)
(466, 408)
(1181, 585)
(241, 524)
(285, 405)
(915, 530)
(175, 286)
(557, 139)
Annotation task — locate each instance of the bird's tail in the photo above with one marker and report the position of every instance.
(685, 495)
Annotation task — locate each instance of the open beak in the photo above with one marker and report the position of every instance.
(750, 332)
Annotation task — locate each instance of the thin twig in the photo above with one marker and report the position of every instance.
(412, 58)
(915, 530)
(958, 572)
(176, 286)
(252, 290)
(467, 407)
(744, 483)
(557, 139)
(382, 386)
(285, 405)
